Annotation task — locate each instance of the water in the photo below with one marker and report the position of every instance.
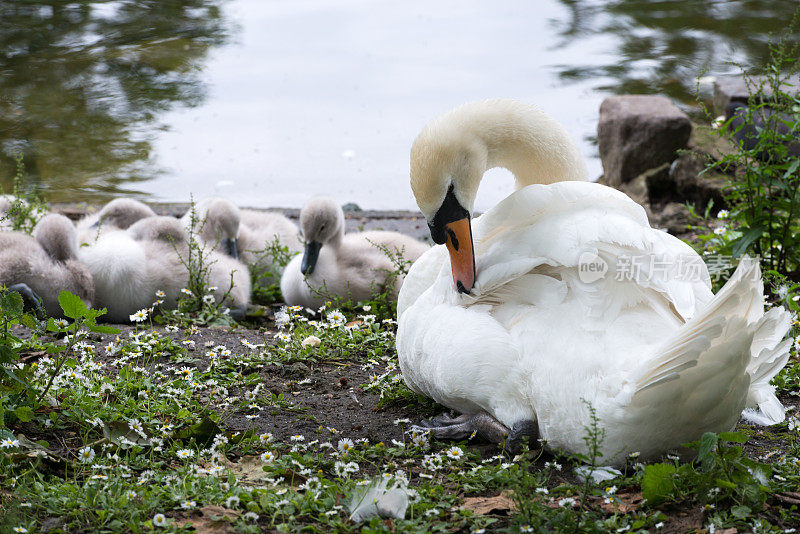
(271, 102)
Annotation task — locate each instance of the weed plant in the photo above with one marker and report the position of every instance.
(763, 193)
(27, 207)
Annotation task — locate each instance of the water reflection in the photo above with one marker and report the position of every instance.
(663, 46)
(82, 84)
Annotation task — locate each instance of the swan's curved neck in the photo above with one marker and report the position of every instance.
(461, 145)
(536, 152)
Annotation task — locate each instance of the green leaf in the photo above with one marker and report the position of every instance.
(202, 432)
(72, 305)
(657, 485)
(29, 321)
(24, 413)
(708, 444)
(791, 169)
(11, 303)
(740, 245)
(104, 329)
(735, 437)
(740, 511)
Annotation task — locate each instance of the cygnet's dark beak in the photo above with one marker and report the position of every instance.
(310, 256)
(230, 247)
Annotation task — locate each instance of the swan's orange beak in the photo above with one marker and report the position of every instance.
(462, 257)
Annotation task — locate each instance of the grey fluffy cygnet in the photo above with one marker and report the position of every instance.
(119, 214)
(243, 234)
(130, 267)
(354, 266)
(40, 267)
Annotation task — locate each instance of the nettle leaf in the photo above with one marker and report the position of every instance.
(735, 437)
(72, 305)
(741, 245)
(11, 302)
(103, 329)
(24, 414)
(29, 321)
(657, 483)
(740, 512)
(705, 453)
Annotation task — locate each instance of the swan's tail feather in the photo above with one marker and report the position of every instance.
(769, 354)
(719, 363)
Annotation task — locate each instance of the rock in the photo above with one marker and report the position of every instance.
(706, 140)
(672, 217)
(748, 126)
(728, 89)
(351, 207)
(637, 133)
(652, 186)
(693, 187)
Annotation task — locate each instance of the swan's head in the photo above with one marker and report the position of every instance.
(218, 220)
(451, 154)
(122, 213)
(58, 237)
(321, 221)
(159, 228)
(448, 160)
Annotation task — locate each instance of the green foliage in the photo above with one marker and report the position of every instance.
(720, 475)
(265, 272)
(763, 194)
(200, 304)
(26, 207)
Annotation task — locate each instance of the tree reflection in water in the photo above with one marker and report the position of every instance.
(663, 46)
(82, 84)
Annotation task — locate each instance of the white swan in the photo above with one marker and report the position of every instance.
(40, 267)
(130, 266)
(353, 266)
(526, 338)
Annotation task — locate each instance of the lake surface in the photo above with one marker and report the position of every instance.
(271, 102)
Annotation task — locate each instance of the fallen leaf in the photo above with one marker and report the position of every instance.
(628, 502)
(210, 519)
(248, 470)
(500, 504)
(219, 512)
(115, 431)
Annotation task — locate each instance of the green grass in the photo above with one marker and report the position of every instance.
(132, 435)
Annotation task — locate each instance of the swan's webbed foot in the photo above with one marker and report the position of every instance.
(527, 428)
(464, 426)
(239, 314)
(31, 302)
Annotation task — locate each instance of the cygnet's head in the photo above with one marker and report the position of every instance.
(218, 220)
(159, 228)
(122, 213)
(321, 221)
(58, 237)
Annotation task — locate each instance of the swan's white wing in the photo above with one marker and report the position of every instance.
(711, 369)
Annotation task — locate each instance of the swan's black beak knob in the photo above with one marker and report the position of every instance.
(452, 227)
